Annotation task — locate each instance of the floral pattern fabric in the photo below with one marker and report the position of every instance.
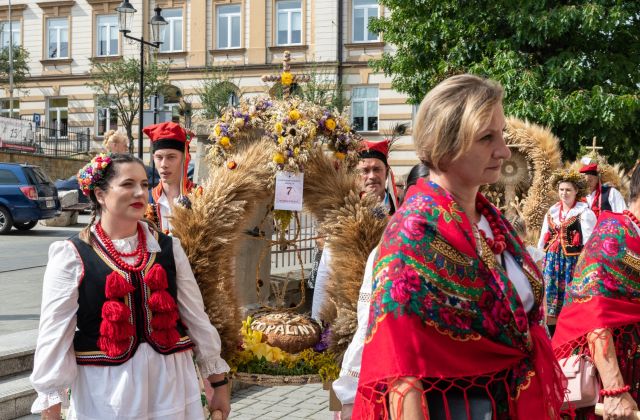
(431, 276)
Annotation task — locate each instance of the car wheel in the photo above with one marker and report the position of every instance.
(25, 226)
(6, 221)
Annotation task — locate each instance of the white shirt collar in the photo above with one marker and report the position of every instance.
(576, 210)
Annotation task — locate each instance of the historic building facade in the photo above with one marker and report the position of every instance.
(243, 39)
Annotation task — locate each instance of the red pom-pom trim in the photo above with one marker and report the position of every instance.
(156, 278)
(117, 286)
(165, 338)
(577, 239)
(115, 311)
(116, 330)
(113, 348)
(547, 236)
(162, 301)
(164, 320)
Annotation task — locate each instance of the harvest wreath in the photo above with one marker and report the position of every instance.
(251, 144)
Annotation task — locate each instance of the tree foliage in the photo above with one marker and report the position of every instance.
(571, 65)
(117, 83)
(20, 65)
(215, 93)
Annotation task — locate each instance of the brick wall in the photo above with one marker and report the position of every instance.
(55, 167)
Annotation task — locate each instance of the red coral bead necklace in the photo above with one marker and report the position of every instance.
(498, 244)
(140, 252)
(632, 216)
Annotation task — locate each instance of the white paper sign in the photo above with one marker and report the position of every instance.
(289, 188)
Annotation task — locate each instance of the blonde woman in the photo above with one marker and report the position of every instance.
(115, 142)
(454, 329)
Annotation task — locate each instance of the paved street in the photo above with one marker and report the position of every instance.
(23, 257)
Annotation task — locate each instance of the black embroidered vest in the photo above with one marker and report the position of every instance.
(97, 265)
(567, 234)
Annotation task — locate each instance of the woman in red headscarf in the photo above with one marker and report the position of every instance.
(454, 329)
(601, 316)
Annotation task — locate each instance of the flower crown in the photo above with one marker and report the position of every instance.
(571, 176)
(93, 172)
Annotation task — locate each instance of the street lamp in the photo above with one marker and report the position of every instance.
(125, 16)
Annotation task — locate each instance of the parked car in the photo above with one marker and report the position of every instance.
(26, 196)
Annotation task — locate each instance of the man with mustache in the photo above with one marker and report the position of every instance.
(170, 145)
(377, 179)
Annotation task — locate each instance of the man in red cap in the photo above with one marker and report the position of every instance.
(601, 197)
(170, 145)
(377, 179)
(376, 175)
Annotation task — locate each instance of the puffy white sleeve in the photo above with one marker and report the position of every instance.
(191, 308)
(616, 201)
(543, 231)
(54, 364)
(320, 289)
(346, 385)
(588, 222)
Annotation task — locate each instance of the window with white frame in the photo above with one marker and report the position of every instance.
(289, 22)
(107, 35)
(171, 34)
(107, 118)
(58, 38)
(6, 29)
(228, 23)
(58, 116)
(364, 108)
(363, 12)
(5, 107)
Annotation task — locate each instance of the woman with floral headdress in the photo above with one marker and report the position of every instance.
(565, 229)
(122, 313)
(454, 326)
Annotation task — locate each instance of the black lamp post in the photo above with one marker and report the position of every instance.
(125, 16)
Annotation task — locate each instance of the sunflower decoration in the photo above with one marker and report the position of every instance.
(235, 125)
(340, 138)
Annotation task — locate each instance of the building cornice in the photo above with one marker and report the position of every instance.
(50, 4)
(14, 8)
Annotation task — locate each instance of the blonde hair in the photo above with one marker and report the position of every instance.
(450, 115)
(113, 136)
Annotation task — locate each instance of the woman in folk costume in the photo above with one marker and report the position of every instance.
(454, 329)
(565, 229)
(117, 302)
(170, 145)
(601, 315)
(346, 385)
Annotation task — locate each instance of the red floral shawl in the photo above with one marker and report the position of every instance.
(605, 291)
(442, 314)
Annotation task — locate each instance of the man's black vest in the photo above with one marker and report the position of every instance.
(97, 265)
(604, 198)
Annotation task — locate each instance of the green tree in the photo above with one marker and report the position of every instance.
(217, 91)
(117, 83)
(572, 65)
(20, 65)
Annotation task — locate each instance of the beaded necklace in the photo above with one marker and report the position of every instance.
(498, 244)
(632, 216)
(141, 250)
